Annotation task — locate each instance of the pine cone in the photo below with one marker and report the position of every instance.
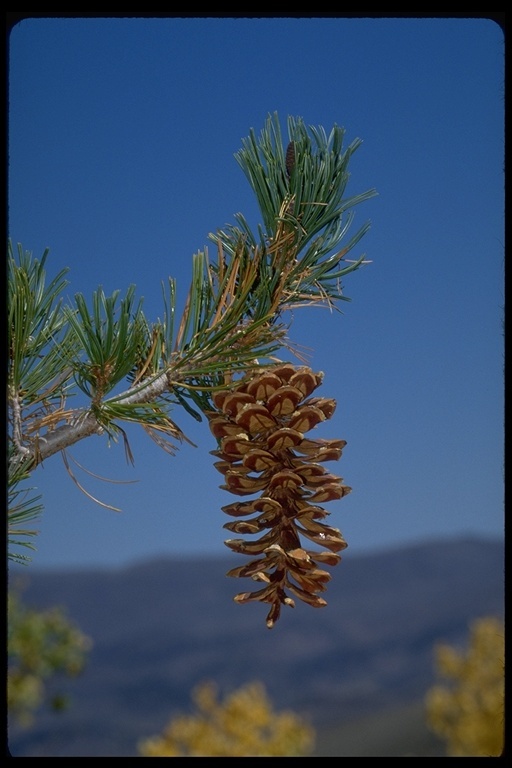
(260, 426)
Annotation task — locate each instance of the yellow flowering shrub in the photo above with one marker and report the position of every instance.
(468, 711)
(40, 645)
(244, 724)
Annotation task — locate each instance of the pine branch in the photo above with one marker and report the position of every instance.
(131, 369)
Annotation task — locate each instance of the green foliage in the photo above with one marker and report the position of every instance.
(40, 646)
(131, 369)
(468, 710)
(317, 180)
(37, 329)
(38, 344)
(109, 341)
(244, 724)
(22, 508)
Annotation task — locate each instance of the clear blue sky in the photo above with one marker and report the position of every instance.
(121, 141)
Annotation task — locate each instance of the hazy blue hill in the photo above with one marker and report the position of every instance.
(160, 627)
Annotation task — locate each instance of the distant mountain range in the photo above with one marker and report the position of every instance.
(162, 626)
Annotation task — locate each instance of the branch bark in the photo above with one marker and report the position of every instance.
(83, 423)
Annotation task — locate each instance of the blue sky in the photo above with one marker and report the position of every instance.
(121, 141)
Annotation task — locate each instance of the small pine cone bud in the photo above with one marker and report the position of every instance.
(260, 426)
(290, 158)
